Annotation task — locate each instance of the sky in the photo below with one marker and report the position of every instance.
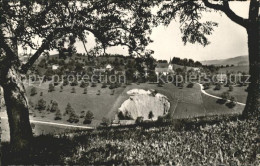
(228, 39)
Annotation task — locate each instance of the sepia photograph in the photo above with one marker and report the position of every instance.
(130, 82)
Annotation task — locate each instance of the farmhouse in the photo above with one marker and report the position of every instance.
(109, 67)
(164, 68)
(221, 78)
(55, 67)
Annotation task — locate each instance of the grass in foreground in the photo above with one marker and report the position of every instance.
(198, 143)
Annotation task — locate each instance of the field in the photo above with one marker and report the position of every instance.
(235, 69)
(185, 103)
(100, 105)
(238, 92)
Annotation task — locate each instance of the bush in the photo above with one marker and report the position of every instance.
(54, 107)
(41, 105)
(160, 85)
(206, 86)
(31, 104)
(58, 115)
(232, 102)
(88, 118)
(82, 114)
(73, 118)
(150, 115)
(112, 92)
(120, 115)
(33, 91)
(112, 86)
(68, 110)
(225, 96)
(74, 83)
(218, 87)
(65, 82)
(51, 87)
(85, 91)
(73, 90)
(93, 85)
(139, 120)
(61, 88)
(105, 122)
(126, 116)
(41, 94)
(190, 85)
(83, 84)
(231, 88)
(104, 85)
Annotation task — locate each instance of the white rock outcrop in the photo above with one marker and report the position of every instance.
(141, 102)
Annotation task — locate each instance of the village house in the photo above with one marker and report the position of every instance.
(221, 77)
(108, 67)
(55, 67)
(164, 68)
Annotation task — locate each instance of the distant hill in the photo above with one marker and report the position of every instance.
(236, 61)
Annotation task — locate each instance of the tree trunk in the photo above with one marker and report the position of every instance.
(253, 100)
(17, 110)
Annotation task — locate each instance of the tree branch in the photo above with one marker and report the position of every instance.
(25, 67)
(226, 9)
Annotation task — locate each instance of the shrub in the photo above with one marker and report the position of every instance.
(85, 91)
(31, 104)
(41, 105)
(33, 91)
(139, 120)
(112, 92)
(225, 96)
(83, 84)
(231, 88)
(190, 85)
(82, 114)
(74, 83)
(88, 118)
(120, 115)
(181, 85)
(112, 86)
(232, 102)
(150, 115)
(58, 115)
(65, 82)
(68, 110)
(41, 94)
(218, 86)
(73, 118)
(126, 116)
(104, 85)
(73, 90)
(105, 122)
(93, 85)
(206, 86)
(54, 107)
(160, 85)
(51, 87)
(61, 88)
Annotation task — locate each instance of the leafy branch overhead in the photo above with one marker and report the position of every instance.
(45, 25)
(192, 26)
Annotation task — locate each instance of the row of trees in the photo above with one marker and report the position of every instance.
(69, 111)
(185, 62)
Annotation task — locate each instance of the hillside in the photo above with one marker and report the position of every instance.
(236, 61)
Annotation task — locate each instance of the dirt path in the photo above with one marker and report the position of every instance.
(53, 123)
(216, 97)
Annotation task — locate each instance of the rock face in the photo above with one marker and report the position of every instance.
(141, 102)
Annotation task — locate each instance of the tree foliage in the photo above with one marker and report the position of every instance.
(88, 118)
